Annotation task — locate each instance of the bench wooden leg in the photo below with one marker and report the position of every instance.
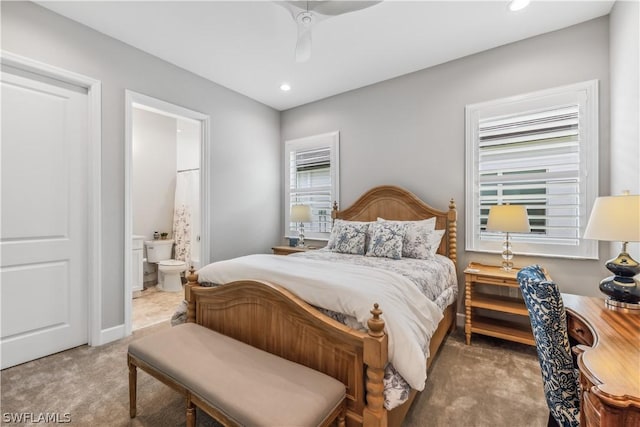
(133, 383)
(343, 415)
(191, 412)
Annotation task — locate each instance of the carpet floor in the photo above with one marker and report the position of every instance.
(490, 383)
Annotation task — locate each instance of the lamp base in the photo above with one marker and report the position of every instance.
(626, 307)
(622, 288)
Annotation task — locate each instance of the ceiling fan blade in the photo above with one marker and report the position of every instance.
(303, 46)
(332, 7)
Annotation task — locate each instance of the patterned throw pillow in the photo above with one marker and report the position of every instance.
(429, 223)
(348, 237)
(433, 241)
(419, 241)
(386, 240)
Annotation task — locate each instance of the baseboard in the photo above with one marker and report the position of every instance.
(460, 319)
(111, 334)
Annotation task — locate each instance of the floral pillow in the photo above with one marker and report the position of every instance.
(348, 237)
(416, 243)
(421, 243)
(429, 223)
(386, 239)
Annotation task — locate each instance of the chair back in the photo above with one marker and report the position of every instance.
(549, 325)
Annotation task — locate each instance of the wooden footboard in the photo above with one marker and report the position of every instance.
(273, 319)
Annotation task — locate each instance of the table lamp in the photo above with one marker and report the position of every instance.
(301, 214)
(508, 219)
(617, 219)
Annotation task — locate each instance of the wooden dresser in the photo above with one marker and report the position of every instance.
(609, 361)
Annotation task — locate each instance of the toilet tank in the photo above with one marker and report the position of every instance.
(158, 250)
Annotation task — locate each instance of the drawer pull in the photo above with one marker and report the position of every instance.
(579, 331)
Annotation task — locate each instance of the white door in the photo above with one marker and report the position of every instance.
(43, 239)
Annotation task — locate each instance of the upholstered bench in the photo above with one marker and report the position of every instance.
(235, 383)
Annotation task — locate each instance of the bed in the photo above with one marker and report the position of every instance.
(273, 318)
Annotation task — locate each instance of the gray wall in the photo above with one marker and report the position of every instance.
(245, 155)
(409, 131)
(625, 104)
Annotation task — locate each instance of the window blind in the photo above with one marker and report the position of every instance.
(310, 184)
(312, 178)
(538, 150)
(533, 159)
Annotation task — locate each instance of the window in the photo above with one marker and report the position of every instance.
(539, 150)
(311, 178)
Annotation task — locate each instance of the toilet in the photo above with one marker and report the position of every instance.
(159, 252)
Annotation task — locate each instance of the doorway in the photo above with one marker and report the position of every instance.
(166, 205)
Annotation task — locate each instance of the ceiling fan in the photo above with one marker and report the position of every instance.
(308, 14)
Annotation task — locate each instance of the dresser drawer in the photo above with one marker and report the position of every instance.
(579, 331)
(591, 408)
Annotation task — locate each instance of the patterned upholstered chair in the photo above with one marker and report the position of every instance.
(549, 324)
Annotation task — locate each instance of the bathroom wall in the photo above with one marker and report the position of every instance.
(154, 172)
(188, 150)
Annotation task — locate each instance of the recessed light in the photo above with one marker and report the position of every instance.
(285, 87)
(179, 130)
(518, 5)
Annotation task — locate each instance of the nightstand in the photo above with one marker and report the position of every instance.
(288, 250)
(478, 278)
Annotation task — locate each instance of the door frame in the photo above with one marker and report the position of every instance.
(94, 174)
(133, 99)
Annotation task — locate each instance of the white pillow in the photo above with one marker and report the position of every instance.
(416, 242)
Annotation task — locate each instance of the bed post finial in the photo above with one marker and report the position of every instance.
(376, 324)
(192, 280)
(334, 211)
(452, 218)
(375, 357)
(192, 277)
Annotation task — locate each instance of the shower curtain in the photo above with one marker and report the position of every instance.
(186, 214)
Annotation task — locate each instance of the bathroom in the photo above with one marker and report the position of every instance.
(165, 194)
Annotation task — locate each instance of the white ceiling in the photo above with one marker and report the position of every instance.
(248, 46)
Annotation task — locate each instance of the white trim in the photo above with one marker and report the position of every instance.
(310, 142)
(589, 125)
(460, 318)
(94, 111)
(111, 334)
(145, 102)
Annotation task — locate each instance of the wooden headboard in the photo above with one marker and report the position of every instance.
(395, 203)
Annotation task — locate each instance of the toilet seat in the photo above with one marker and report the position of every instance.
(172, 263)
(169, 271)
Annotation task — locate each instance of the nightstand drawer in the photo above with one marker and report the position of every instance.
(497, 281)
(579, 331)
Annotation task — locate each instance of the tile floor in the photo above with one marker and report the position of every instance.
(154, 306)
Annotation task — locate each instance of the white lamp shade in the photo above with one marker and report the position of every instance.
(300, 213)
(508, 218)
(615, 218)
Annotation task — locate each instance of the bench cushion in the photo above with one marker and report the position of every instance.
(250, 386)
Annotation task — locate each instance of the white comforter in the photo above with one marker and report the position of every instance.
(410, 317)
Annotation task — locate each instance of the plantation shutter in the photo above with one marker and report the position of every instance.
(533, 159)
(310, 184)
(312, 179)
